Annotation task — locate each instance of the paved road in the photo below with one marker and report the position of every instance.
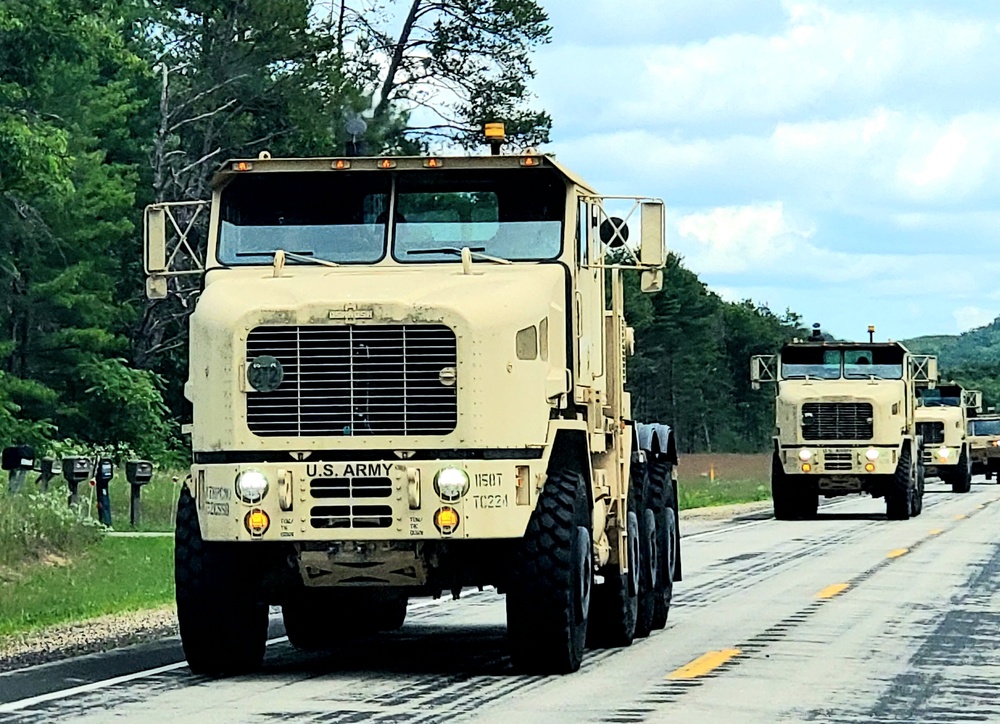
(849, 618)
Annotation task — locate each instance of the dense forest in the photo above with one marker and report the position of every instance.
(108, 105)
(971, 358)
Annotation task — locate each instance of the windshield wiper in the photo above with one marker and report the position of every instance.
(474, 251)
(280, 255)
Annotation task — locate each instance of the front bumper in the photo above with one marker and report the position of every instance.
(834, 461)
(369, 500)
(934, 461)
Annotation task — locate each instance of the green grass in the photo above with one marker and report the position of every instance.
(737, 479)
(111, 576)
(704, 493)
(158, 503)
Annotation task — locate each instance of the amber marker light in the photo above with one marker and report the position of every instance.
(870, 467)
(242, 166)
(446, 520)
(529, 161)
(386, 163)
(806, 467)
(433, 163)
(340, 165)
(257, 522)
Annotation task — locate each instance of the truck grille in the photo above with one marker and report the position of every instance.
(350, 487)
(837, 421)
(837, 460)
(932, 432)
(351, 516)
(351, 380)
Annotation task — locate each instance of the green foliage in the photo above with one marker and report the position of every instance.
(972, 358)
(36, 524)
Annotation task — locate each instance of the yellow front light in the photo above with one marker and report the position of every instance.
(257, 522)
(806, 467)
(870, 467)
(446, 520)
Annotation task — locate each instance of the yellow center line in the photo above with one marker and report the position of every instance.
(980, 506)
(703, 664)
(960, 516)
(898, 552)
(833, 590)
(937, 531)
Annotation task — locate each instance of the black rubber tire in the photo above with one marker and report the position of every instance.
(314, 619)
(661, 497)
(918, 500)
(551, 579)
(782, 495)
(962, 480)
(614, 603)
(898, 495)
(649, 571)
(222, 619)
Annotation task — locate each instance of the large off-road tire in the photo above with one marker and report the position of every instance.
(664, 507)
(551, 577)
(614, 603)
(794, 497)
(917, 505)
(649, 550)
(223, 621)
(899, 495)
(322, 619)
(961, 482)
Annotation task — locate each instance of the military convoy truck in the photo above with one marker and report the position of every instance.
(984, 443)
(943, 413)
(408, 378)
(845, 423)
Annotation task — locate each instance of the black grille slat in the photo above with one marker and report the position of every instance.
(838, 460)
(932, 432)
(350, 487)
(837, 421)
(351, 516)
(355, 380)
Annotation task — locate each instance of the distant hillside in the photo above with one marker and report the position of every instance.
(980, 346)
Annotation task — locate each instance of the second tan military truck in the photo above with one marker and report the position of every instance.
(943, 413)
(845, 423)
(408, 378)
(984, 443)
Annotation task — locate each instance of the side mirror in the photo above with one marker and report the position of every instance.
(653, 246)
(762, 369)
(651, 281)
(932, 371)
(155, 251)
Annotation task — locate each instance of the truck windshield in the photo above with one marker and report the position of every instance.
(939, 397)
(822, 363)
(980, 428)
(336, 217)
(510, 214)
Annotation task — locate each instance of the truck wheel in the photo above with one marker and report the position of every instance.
(665, 509)
(918, 493)
(551, 577)
(649, 573)
(808, 499)
(223, 622)
(898, 496)
(782, 495)
(314, 618)
(614, 603)
(962, 480)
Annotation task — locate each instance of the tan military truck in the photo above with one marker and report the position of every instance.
(845, 423)
(984, 442)
(407, 378)
(942, 420)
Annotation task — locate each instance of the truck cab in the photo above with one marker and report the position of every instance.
(942, 418)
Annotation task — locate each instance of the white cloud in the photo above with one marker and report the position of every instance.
(972, 317)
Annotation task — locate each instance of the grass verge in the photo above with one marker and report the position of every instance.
(722, 479)
(110, 576)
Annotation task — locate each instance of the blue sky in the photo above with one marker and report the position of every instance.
(838, 158)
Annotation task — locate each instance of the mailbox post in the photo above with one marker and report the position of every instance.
(17, 461)
(49, 468)
(102, 478)
(75, 470)
(138, 473)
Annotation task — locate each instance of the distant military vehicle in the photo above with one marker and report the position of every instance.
(984, 442)
(845, 423)
(943, 414)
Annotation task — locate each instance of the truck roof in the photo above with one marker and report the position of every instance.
(845, 345)
(377, 164)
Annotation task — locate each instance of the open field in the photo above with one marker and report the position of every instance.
(737, 479)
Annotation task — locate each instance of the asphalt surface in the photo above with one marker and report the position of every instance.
(848, 618)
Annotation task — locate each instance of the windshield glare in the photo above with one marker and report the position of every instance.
(344, 217)
(821, 363)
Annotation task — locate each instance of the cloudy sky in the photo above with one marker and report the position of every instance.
(838, 158)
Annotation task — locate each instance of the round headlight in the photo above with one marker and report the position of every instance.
(805, 454)
(872, 454)
(943, 452)
(251, 486)
(451, 483)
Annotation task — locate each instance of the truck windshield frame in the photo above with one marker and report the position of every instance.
(824, 363)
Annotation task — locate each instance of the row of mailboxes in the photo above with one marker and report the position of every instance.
(19, 460)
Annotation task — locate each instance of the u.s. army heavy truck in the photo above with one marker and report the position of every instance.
(845, 423)
(942, 418)
(407, 378)
(984, 442)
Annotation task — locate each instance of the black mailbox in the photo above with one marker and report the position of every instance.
(76, 470)
(138, 473)
(17, 461)
(48, 469)
(103, 474)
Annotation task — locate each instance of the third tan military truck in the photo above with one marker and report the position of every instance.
(407, 378)
(943, 413)
(984, 442)
(845, 423)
